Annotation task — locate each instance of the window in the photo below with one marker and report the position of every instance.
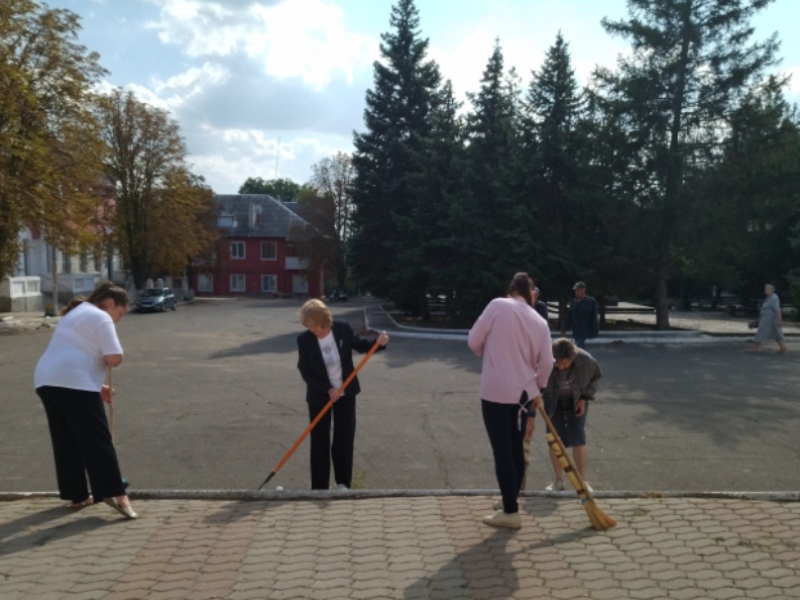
(205, 283)
(299, 284)
(66, 263)
(237, 283)
(237, 250)
(269, 251)
(84, 263)
(269, 283)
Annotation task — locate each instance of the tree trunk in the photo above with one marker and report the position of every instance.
(562, 313)
(423, 307)
(602, 303)
(661, 300)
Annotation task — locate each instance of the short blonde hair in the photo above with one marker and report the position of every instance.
(314, 313)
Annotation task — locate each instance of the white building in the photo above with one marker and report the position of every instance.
(32, 284)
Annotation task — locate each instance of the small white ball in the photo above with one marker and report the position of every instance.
(279, 488)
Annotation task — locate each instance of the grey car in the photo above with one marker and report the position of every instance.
(156, 299)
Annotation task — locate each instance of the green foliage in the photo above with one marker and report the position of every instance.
(163, 214)
(281, 189)
(48, 166)
(691, 63)
(330, 191)
(387, 246)
(490, 225)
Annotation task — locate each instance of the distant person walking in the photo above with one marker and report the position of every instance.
(325, 361)
(572, 385)
(770, 321)
(69, 380)
(514, 342)
(583, 317)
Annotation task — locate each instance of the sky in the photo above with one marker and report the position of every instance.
(268, 88)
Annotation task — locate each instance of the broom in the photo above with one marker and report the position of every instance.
(321, 414)
(600, 520)
(110, 384)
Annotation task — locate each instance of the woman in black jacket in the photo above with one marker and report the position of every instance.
(325, 361)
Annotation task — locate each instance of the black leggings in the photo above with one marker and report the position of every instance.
(343, 414)
(502, 423)
(81, 444)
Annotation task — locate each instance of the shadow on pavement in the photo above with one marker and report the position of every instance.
(279, 344)
(740, 394)
(469, 567)
(38, 529)
(241, 509)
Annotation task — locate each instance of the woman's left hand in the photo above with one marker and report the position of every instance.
(107, 395)
(383, 338)
(580, 408)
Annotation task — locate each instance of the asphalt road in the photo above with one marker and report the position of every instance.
(209, 397)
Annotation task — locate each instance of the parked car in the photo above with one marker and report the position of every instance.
(159, 299)
(337, 296)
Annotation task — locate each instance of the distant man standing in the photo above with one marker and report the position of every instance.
(582, 317)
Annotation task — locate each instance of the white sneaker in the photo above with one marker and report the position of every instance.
(340, 487)
(497, 505)
(556, 486)
(502, 519)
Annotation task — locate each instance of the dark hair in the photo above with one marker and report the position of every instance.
(564, 348)
(101, 293)
(522, 285)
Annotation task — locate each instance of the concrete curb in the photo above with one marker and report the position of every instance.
(652, 337)
(292, 495)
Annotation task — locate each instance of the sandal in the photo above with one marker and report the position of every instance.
(126, 511)
(79, 505)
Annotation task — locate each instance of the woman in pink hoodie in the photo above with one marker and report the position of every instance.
(514, 342)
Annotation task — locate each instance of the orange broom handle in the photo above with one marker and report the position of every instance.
(326, 407)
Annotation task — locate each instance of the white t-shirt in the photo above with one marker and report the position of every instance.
(74, 358)
(333, 362)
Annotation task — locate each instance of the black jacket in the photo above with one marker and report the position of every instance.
(583, 318)
(312, 366)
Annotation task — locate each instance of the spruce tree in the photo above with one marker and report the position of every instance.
(488, 222)
(552, 163)
(692, 61)
(389, 160)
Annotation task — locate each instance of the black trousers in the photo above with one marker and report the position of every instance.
(81, 444)
(343, 414)
(506, 438)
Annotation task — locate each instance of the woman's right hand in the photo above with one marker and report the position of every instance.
(107, 395)
(334, 394)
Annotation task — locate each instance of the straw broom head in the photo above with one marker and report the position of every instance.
(599, 520)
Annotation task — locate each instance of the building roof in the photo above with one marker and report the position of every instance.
(256, 215)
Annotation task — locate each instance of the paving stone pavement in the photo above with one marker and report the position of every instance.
(432, 547)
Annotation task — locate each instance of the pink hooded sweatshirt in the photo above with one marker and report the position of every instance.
(514, 342)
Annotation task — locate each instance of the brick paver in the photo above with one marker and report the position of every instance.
(404, 548)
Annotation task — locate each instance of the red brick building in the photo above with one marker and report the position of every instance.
(259, 256)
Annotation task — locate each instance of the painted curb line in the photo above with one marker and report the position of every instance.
(655, 337)
(293, 495)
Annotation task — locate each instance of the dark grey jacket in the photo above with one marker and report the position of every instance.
(583, 318)
(584, 372)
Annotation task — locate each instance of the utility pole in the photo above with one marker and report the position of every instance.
(277, 156)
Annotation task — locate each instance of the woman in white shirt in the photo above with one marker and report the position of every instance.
(69, 380)
(325, 361)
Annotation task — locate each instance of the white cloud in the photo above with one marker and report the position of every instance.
(179, 89)
(303, 39)
(228, 157)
